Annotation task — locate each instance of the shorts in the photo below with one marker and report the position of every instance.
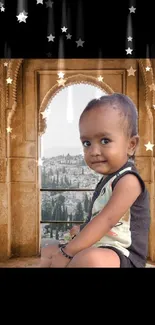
(124, 260)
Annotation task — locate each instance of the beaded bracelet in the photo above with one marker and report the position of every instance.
(66, 255)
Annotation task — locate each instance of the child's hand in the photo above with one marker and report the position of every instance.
(74, 230)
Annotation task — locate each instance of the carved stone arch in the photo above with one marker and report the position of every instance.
(148, 79)
(72, 80)
(11, 89)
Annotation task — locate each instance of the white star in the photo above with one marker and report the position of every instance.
(100, 78)
(40, 162)
(130, 39)
(154, 106)
(50, 38)
(68, 36)
(131, 71)
(39, 2)
(5, 64)
(49, 54)
(22, 17)
(61, 82)
(49, 4)
(129, 50)
(149, 146)
(152, 87)
(2, 9)
(148, 68)
(132, 9)
(9, 80)
(45, 114)
(9, 130)
(64, 29)
(80, 42)
(61, 74)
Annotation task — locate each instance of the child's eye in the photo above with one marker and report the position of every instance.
(86, 143)
(106, 141)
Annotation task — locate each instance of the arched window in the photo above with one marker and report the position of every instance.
(67, 183)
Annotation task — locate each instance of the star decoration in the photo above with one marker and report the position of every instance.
(49, 54)
(13, 136)
(61, 82)
(22, 17)
(39, 162)
(149, 146)
(80, 42)
(152, 87)
(39, 2)
(64, 29)
(132, 9)
(68, 36)
(2, 9)
(61, 74)
(100, 78)
(148, 68)
(131, 71)
(9, 80)
(9, 130)
(129, 39)
(49, 4)
(5, 64)
(154, 106)
(50, 38)
(45, 114)
(129, 50)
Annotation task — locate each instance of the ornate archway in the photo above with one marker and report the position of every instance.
(11, 106)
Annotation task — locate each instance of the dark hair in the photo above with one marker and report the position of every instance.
(126, 108)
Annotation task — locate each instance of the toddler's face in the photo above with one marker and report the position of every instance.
(104, 141)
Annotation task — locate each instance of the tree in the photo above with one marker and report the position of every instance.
(86, 203)
(78, 216)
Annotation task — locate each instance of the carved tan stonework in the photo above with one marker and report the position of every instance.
(24, 232)
(23, 169)
(2, 112)
(72, 80)
(2, 170)
(148, 80)
(13, 71)
(3, 204)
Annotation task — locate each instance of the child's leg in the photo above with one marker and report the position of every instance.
(47, 253)
(95, 257)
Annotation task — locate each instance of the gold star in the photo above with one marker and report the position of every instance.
(61, 82)
(13, 136)
(100, 78)
(45, 114)
(9, 130)
(149, 146)
(60, 74)
(9, 80)
(152, 87)
(131, 71)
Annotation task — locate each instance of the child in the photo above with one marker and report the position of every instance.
(115, 233)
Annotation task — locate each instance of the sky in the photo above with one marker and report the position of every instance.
(62, 134)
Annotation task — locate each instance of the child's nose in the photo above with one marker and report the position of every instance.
(95, 150)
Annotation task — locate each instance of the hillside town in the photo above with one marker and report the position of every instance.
(64, 207)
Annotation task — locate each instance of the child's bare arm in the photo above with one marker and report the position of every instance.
(125, 193)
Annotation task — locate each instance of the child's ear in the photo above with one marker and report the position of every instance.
(133, 144)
